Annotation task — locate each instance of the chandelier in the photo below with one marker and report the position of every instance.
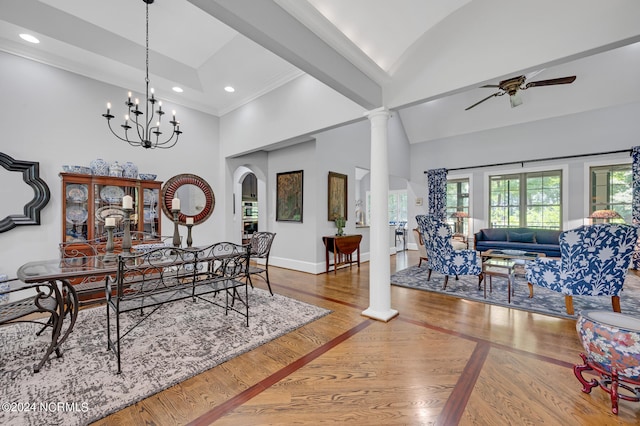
(147, 133)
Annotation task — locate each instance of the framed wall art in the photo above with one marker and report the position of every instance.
(337, 192)
(289, 196)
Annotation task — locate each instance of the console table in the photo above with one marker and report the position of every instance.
(342, 247)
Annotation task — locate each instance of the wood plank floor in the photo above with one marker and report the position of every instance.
(442, 361)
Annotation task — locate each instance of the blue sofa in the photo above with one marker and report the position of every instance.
(528, 239)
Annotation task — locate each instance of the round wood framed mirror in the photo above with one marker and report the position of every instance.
(195, 194)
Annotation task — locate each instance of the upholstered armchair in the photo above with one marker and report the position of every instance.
(440, 252)
(594, 260)
(420, 243)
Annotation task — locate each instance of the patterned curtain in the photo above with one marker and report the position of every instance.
(635, 154)
(437, 187)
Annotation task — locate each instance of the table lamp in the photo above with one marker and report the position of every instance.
(605, 215)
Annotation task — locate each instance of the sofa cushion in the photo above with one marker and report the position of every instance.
(548, 236)
(494, 234)
(524, 237)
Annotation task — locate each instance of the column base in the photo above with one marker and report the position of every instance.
(385, 315)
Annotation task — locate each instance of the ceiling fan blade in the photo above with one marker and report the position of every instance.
(551, 82)
(491, 85)
(485, 99)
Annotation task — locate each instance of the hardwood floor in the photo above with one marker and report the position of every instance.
(442, 361)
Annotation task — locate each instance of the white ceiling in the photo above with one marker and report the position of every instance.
(364, 40)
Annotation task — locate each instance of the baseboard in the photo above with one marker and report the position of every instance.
(308, 267)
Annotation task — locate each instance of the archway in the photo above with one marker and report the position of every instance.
(250, 201)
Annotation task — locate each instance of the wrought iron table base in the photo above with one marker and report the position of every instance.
(59, 303)
(610, 382)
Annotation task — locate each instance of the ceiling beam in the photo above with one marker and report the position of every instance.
(58, 25)
(269, 25)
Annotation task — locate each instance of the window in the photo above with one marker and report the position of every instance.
(458, 201)
(526, 200)
(611, 188)
(397, 205)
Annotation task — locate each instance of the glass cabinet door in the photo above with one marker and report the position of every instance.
(150, 210)
(76, 211)
(108, 204)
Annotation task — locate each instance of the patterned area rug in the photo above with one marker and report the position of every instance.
(544, 301)
(177, 342)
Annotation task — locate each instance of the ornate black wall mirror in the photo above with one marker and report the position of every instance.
(195, 194)
(31, 176)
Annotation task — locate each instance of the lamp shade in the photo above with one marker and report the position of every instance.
(460, 215)
(605, 214)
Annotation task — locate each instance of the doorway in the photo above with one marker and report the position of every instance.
(249, 207)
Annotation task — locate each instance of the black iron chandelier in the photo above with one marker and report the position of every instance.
(147, 134)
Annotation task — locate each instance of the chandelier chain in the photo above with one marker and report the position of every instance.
(148, 131)
(147, 46)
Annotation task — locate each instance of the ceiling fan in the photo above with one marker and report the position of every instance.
(514, 85)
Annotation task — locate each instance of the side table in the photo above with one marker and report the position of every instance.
(342, 247)
(499, 268)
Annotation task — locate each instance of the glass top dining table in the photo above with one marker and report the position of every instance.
(66, 268)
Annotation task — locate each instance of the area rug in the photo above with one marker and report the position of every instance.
(177, 342)
(544, 301)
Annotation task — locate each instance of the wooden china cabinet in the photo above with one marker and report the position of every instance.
(88, 200)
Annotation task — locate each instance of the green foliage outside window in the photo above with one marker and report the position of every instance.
(458, 201)
(611, 188)
(531, 200)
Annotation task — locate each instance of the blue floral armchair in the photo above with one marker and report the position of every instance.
(593, 261)
(441, 256)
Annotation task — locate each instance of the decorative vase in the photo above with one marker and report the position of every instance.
(115, 169)
(99, 167)
(611, 342)
(130, 170)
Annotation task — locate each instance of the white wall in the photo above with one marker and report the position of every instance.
(54, 117)
(610, 129)
(295, 245)
(300, 107)
(299, 245)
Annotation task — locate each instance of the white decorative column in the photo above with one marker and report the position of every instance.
(379, 262)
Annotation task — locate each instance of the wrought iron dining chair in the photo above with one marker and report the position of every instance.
(594, 260)
(260, 249)
(442, 257)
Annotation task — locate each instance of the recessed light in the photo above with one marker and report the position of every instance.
(29, 38)
(177, 89)
(229, 89)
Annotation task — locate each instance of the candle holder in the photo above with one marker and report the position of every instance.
(126, 237)
(176, 233)
(109, 256)
(189, 240)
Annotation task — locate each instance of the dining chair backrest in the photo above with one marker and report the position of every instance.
(261, 244)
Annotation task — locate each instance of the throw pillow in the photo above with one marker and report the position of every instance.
(528, 237)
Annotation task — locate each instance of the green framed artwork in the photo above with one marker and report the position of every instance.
(289, 196)
(337, 200)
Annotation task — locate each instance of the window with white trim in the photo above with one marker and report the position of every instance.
(532, 200)
(458, 201)
(611, 188)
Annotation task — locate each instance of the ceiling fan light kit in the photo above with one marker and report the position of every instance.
(513, 86)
